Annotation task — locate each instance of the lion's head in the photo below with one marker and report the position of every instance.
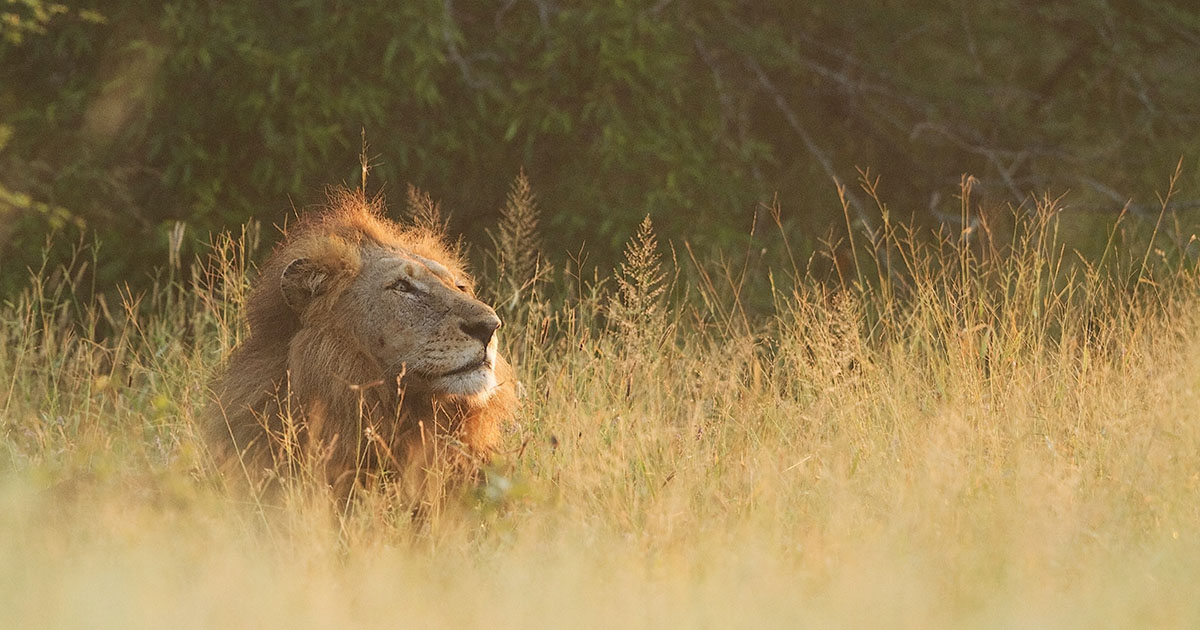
(366, 346)
(413, 316)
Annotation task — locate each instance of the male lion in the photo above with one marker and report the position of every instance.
(368, 357)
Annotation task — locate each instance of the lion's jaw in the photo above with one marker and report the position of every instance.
(474, 381)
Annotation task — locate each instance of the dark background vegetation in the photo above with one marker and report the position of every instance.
(120, 119)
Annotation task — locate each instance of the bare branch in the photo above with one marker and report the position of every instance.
(455, 55)
(810, 144)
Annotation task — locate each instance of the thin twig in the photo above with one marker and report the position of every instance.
(811, 145)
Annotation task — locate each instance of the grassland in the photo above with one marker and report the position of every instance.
(977, 429)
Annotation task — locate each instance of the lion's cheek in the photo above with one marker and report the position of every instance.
(396, 351)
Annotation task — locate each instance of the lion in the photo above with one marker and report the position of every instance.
(368, 358)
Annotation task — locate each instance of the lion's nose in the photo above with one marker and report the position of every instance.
(482, 328)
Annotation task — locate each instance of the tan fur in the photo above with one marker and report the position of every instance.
(310, 390)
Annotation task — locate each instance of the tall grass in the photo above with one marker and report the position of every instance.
(974, 428)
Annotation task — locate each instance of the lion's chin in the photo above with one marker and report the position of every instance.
(476, 385)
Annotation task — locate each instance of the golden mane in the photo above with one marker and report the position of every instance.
(335, 415)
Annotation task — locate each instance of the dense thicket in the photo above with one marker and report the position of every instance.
(121, 118)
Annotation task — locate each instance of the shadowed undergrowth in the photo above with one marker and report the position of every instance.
(976, 428)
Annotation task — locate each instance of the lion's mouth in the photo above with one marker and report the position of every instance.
(469, 367)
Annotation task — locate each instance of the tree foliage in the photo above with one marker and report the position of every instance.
(121, 119)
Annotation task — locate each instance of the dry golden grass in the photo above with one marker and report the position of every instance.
(987, 435)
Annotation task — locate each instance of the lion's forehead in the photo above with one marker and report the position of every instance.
(387, 259)
(436, 267)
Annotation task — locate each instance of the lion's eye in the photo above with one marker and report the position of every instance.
(402, 285)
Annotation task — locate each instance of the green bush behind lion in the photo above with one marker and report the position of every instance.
(118, 120)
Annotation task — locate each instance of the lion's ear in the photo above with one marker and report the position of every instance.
(302, 280)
